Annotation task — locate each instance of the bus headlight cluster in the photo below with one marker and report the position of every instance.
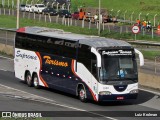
(105, 93)
(133, 91)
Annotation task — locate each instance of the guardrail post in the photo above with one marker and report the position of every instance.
(29, 15)
(152, 33)
(63, 20)
(89, 24)
(83, 23)
(75, 22)
(109, 29)
(40, 17)
(49, 18)
(57, 18)
(103, 26)
(45, 18)
(9, 11)
(126, 29)
(6, 39)
(4, 11)
(12, 12)
(71, 22)
(24, 14)
(34, 16)
(120, 29)
(68, 21)
(155, 70)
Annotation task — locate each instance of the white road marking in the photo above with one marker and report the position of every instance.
(3, 70)
(6, 58)
(49, 101)
(150, 91)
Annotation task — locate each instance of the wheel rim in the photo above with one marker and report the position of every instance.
(28, 79)
(35, 81)
(82, 94)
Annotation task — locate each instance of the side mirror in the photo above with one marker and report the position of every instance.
(141, 58)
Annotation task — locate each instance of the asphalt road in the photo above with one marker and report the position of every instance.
(15, 95)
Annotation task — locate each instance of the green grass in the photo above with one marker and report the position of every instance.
(150, 54)
(10, 22)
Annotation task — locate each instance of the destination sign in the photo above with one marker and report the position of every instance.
(117, 52)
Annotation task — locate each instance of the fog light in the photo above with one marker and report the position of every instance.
(105, 93)
(133, 91)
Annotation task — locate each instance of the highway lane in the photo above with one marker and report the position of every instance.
(146, 101)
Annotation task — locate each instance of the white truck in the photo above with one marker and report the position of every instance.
(38, 8)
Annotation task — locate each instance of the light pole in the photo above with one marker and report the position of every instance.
(140, 16)
(132, 16)
(63, 6)
(17, 14)
(118, 12)
(26, 1)
(99, 29)
(68, 7)
(147, 16)
(47, 4)
(12, 3)
(111, 12)
(53, 4)
(155, 20)
(37, 1)
(57, 6)
(125, 15)
(8, 3)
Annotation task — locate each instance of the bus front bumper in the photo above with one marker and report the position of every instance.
(117, 97)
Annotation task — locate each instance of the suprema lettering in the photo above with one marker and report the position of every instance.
(23, 55)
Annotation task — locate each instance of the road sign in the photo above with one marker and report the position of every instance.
(135, 29)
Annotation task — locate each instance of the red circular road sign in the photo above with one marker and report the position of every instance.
(135, 29)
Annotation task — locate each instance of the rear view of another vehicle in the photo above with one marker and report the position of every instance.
(64, 13)
(39, 7)
(28, 8)
(50, 11)
(75, 15)
(22, 7)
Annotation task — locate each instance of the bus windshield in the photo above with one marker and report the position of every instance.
(118, 65)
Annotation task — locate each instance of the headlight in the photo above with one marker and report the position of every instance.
(105, 93)
(133, 91)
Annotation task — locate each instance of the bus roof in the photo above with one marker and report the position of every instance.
(93, 41)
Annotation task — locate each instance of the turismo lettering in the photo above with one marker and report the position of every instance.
(55, 62)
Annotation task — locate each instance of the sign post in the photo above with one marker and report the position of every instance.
(135, 30)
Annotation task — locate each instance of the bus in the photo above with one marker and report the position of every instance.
(90, 67)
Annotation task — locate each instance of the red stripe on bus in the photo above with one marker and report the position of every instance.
(40, 59)
(72, 67)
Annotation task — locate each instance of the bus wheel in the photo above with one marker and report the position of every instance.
(28, 79)
(35, 81)
(82, 94)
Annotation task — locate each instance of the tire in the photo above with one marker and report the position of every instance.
(28, 79)
(82, 94)
(36, 81)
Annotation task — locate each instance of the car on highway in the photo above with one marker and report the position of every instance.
(50, 11)
(22, 7)
(38, 8)
(28, 8)
(75, 15)
(64, 13)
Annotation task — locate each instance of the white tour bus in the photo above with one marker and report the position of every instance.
(90, 67)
